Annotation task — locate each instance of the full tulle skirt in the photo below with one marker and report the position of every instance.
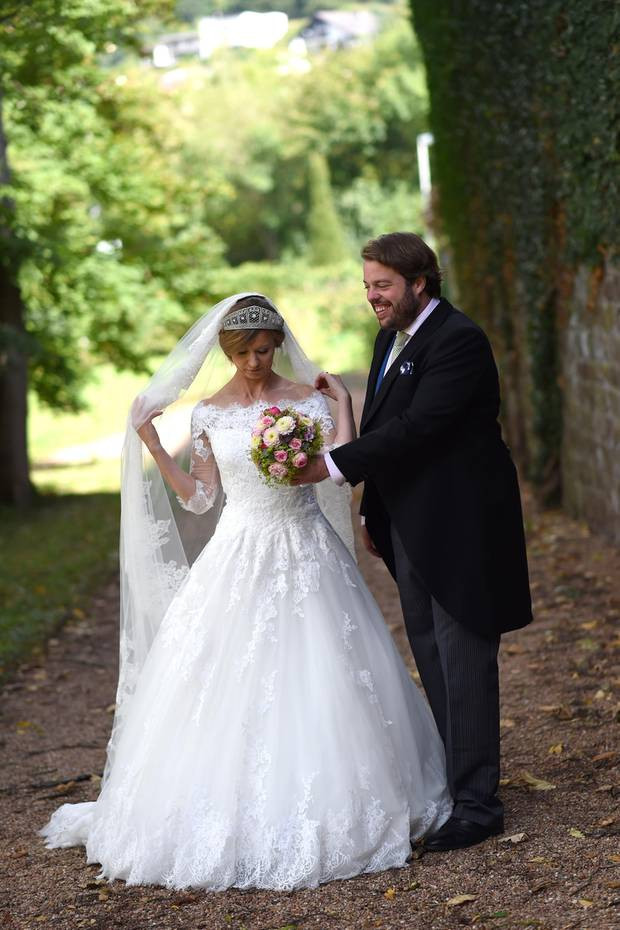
(275, 739)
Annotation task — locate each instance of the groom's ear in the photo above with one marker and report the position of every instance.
(418, 284)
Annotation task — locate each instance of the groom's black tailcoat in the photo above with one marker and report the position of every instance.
(434, 464)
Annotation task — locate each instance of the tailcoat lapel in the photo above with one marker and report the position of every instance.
(430, 326)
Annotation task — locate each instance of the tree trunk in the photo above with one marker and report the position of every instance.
(15, 486)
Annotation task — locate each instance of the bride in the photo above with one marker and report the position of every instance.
(267, 733)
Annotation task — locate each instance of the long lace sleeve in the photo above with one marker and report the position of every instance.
(203, 469)
(334, 500)
(328, 427)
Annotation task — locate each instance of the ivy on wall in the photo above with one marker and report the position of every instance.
(526, 117)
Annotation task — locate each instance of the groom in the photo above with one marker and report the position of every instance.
(441, 507)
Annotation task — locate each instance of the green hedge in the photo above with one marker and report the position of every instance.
(524, 109)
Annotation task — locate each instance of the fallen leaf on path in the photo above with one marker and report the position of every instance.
(586, 902)
(19, 853)
(389, 894)
(65, 787)
(515, 838)
(614, 858)
(540, 886)
(536, 784)
(577, 833)
(507, 722)
(28, 726)
(460, 899)
(514, 649)
(562, 711)
(604, 756)
(556, 749)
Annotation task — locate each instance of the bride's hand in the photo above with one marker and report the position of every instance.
(331, 385)
(147, 432)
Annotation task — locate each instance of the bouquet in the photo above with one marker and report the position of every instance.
(282, 442)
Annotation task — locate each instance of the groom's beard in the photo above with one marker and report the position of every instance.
(404, 311)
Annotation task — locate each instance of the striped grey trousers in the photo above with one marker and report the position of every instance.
(458, 669)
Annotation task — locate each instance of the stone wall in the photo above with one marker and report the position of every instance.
(590, 358)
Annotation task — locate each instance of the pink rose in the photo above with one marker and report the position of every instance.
(300, 460)
(295, 444)
(277, 471)
(274, 411)
(257, 431)
(267, 421)
(280, 455)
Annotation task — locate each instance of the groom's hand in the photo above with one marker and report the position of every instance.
(368, 543)
(315, 471)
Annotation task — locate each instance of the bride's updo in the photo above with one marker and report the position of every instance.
(243, 331)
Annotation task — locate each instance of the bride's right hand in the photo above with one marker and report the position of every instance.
(147, 432)
(331, 385)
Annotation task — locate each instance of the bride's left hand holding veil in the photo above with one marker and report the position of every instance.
(333, 386)
(148, 433)
(183, 484)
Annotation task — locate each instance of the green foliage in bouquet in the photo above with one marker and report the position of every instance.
(283, 442)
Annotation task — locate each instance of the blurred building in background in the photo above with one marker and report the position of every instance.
(174, 45)
(338, 29)
(244, 30)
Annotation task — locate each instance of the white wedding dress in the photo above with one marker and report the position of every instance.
(275, 738)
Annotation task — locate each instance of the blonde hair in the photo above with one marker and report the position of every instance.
(234, 340)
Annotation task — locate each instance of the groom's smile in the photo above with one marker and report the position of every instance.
(395, 300)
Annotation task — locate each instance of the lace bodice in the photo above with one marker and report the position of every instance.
(221, 459)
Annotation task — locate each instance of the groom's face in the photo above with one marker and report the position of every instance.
(393, 298)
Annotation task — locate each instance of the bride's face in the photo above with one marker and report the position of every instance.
(255, 359)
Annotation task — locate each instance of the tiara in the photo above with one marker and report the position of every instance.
(253, 318)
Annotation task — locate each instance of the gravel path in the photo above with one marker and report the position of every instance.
(558, 865)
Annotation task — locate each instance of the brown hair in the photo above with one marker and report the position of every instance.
(233, 340)
(408, 254)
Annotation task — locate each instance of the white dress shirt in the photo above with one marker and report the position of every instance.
(334, 472)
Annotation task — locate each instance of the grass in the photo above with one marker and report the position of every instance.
(107, 398)
(52, 558)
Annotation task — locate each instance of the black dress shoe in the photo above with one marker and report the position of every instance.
(457, 833)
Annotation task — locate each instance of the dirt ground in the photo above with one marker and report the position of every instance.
(557, 866)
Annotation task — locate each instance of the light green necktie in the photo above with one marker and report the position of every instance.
(402, 337)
